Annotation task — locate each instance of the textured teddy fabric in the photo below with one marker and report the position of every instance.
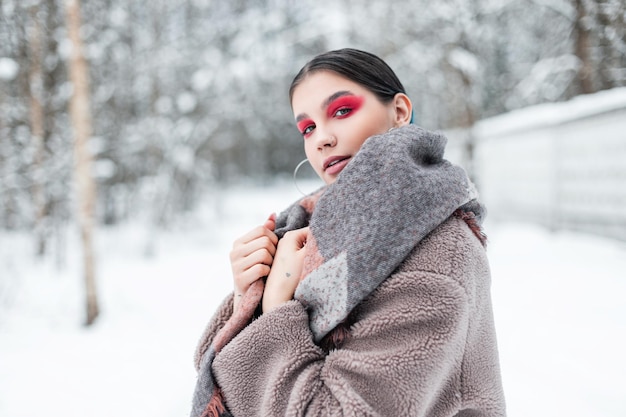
(422, 344)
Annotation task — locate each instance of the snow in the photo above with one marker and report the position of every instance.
(184, 158)
(186, 102)
(118, 17)
(8, 69)
(550, 114)
(201, 79)
(164, 105)
(559, 310)
(464, 61)
(558, 301)
(104, 168)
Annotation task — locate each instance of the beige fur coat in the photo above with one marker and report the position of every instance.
(422, 344)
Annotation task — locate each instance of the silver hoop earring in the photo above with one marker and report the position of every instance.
(295, 173)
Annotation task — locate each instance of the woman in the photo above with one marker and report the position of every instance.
(376, 301)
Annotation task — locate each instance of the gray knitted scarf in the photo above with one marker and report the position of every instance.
(394, 192)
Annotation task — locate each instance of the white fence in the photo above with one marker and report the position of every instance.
(562, 165)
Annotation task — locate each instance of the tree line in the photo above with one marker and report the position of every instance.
(185, 95)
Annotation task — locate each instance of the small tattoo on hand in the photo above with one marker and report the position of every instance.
(288, 274)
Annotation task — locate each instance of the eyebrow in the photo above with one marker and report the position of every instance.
(327, 102)
(334, 97)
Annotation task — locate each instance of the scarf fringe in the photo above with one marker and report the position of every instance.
(215, 407)
(338, 336)
(470, 219)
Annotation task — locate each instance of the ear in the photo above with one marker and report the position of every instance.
(403, 109)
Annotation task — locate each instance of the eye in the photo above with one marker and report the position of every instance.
(307, 130)
(342, 111)
(344, 106)
(306, 126)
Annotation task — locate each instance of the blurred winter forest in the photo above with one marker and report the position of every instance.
(152, 123)
(186, 96)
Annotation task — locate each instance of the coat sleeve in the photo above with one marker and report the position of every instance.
(220, 317)
(405, 351)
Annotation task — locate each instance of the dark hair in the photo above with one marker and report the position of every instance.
(358, 66)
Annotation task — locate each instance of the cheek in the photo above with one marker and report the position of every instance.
(312, 156)
(373, 123)
(365, 131)
(308, 149)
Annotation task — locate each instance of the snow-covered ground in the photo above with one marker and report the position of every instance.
(558, 300)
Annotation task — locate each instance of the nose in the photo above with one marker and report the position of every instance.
(326, 141)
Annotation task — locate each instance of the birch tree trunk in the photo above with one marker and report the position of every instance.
(80, 116)
(35, 89)
(583, 48)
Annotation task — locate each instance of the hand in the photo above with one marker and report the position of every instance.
(252, 256)
(286, 270)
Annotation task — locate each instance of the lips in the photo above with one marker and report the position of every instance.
(334, 164)
(334, 160)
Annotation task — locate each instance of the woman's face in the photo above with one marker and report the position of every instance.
(335, 116)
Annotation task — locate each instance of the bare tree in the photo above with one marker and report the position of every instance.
(35, 89)
(609, 30)
(583, 48)
(80, 115)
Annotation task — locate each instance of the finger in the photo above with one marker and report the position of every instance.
(270, 223)
(242, 263)
(261, 256)
(246, 278)
(263, 242)
(251, 235)
(244, 250)
(255, 233)
(296, 238)
(302, 235)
